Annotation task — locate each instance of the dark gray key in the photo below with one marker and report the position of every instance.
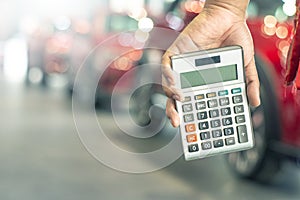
(238, 109)
(218, 143)
(202, 115)
(204, 135)
(203, 125)
(227, 121)
(225, 111)
(237, 99)
(240, 119)
(242, 134)
(228, 131)
(193, 148)
(212, 103)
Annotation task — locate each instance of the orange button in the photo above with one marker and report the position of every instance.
(190, 128)
(191, 138)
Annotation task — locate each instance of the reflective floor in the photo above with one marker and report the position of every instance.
(42, 158)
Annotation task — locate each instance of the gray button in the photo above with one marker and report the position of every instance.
(206, 145)
(237, 99)
(188, 118)
(215, 123)
(200, 105)
(242, 134)
(187, 107)
(217, 133)
(212, 103)
(213, 113)
(229, 141)
(224, 101)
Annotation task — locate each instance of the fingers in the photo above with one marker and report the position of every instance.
(168, 78)
(252, 84)
(172, 113)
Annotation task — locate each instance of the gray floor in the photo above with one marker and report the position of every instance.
(42, 158)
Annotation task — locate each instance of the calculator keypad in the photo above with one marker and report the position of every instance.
(215, 120)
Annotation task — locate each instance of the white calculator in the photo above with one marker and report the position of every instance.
(215, 115)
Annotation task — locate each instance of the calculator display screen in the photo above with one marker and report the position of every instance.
(208, 76)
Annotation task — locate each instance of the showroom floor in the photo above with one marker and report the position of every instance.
(42, 158)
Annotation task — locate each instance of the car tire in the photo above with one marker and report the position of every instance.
(260, 163)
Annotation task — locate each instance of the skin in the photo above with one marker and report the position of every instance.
(221, 23)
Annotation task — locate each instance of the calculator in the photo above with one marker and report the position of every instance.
(215, 115)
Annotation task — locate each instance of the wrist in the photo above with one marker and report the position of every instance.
(235, 7)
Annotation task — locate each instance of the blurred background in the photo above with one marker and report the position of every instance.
(105, 48)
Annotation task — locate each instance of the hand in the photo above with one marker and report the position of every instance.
(216, 26)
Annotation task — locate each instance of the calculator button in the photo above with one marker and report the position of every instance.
(229, 141)
(218, 143)
(188, 118)
(212, 103)
(193, 148)
(203, 125)
(204, 135)
(217, 133)
(237, 99)
(200, 105)
(236, 90)
(238, 109)
(199, 97)
(223, 93)
(190, 128)
(225, 111)
(228, 131)
(213, 113)
(224, 101)
(187, 107)
(187, 99)
(202, 115)
(240, 119)
(211, 95)
(215, 123)
(242, 134)
(206, 145)
(227, 121)
(191, 138)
